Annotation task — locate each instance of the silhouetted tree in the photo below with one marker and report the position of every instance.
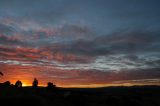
(35, 83)
(51, 86)
(18, 84)
(7, 83)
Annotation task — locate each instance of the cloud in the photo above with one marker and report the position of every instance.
(131, 41)
(81, 40)
(6, 29)
(78, 77)
(4, 40)
(37, 56)
(117, 43)
(127, 49)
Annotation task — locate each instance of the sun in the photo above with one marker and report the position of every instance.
(25, 84)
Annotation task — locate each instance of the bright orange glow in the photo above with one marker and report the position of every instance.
(24, 84)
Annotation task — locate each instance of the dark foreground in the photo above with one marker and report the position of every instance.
(110, 96)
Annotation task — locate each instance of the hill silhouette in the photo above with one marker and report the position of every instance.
(12, 95)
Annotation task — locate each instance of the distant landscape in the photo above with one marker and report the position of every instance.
(106, 96)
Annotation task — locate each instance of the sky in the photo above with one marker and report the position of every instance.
(80, 43)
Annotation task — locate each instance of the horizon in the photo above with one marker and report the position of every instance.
(88, 86)
(80, 42)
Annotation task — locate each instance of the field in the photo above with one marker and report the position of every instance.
(107, 96)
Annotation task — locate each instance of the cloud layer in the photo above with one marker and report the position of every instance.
(80, 43)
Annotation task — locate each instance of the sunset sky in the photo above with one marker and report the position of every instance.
(80, 43)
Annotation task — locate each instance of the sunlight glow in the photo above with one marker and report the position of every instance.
(25, 84)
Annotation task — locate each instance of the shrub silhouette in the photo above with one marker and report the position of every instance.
(7, 83)
(35, 83)
(18, 84)
(51, 86)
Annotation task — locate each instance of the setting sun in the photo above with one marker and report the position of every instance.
(25, 84)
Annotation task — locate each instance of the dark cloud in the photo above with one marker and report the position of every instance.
(129, 43)
(140, 74)
(8, 30)
(132, 41)
(4, 40)
(153, 63)
(76, 31)
(116, 43)
(81, 48)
